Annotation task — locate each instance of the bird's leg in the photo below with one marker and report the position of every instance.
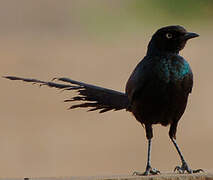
(184, 167)
(149, 169)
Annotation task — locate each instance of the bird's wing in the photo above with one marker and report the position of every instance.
(139, 78)
(93, 97)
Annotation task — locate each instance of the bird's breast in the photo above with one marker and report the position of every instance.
(169, 70)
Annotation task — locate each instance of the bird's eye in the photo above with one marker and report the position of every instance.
(168, 35)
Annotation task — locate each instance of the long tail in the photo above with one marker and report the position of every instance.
(93, 97)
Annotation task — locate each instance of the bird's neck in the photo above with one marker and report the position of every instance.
(154, 50)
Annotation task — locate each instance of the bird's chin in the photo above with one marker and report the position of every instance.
(182, 45)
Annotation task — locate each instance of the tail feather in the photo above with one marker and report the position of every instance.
(93, 97)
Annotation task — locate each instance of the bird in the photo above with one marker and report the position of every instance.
(156, 92)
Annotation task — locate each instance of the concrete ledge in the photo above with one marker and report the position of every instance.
(198, 176)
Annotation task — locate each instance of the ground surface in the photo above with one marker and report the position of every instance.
(199, 176)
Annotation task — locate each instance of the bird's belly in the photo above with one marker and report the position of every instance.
(160, 104)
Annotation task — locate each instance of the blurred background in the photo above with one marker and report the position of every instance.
(98, 42)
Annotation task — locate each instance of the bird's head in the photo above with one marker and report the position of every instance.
(170, 39)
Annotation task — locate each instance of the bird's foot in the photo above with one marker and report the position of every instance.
(186, 168)
(149, 171)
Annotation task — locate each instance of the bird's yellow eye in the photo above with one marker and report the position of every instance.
(168, 35)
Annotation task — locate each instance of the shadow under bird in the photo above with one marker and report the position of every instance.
(156, 92)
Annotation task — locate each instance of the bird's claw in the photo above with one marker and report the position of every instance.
(184, 168)
(149, 171)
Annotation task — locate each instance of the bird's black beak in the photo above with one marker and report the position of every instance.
(190, 35)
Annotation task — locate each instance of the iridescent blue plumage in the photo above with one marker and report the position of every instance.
(173, 68)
